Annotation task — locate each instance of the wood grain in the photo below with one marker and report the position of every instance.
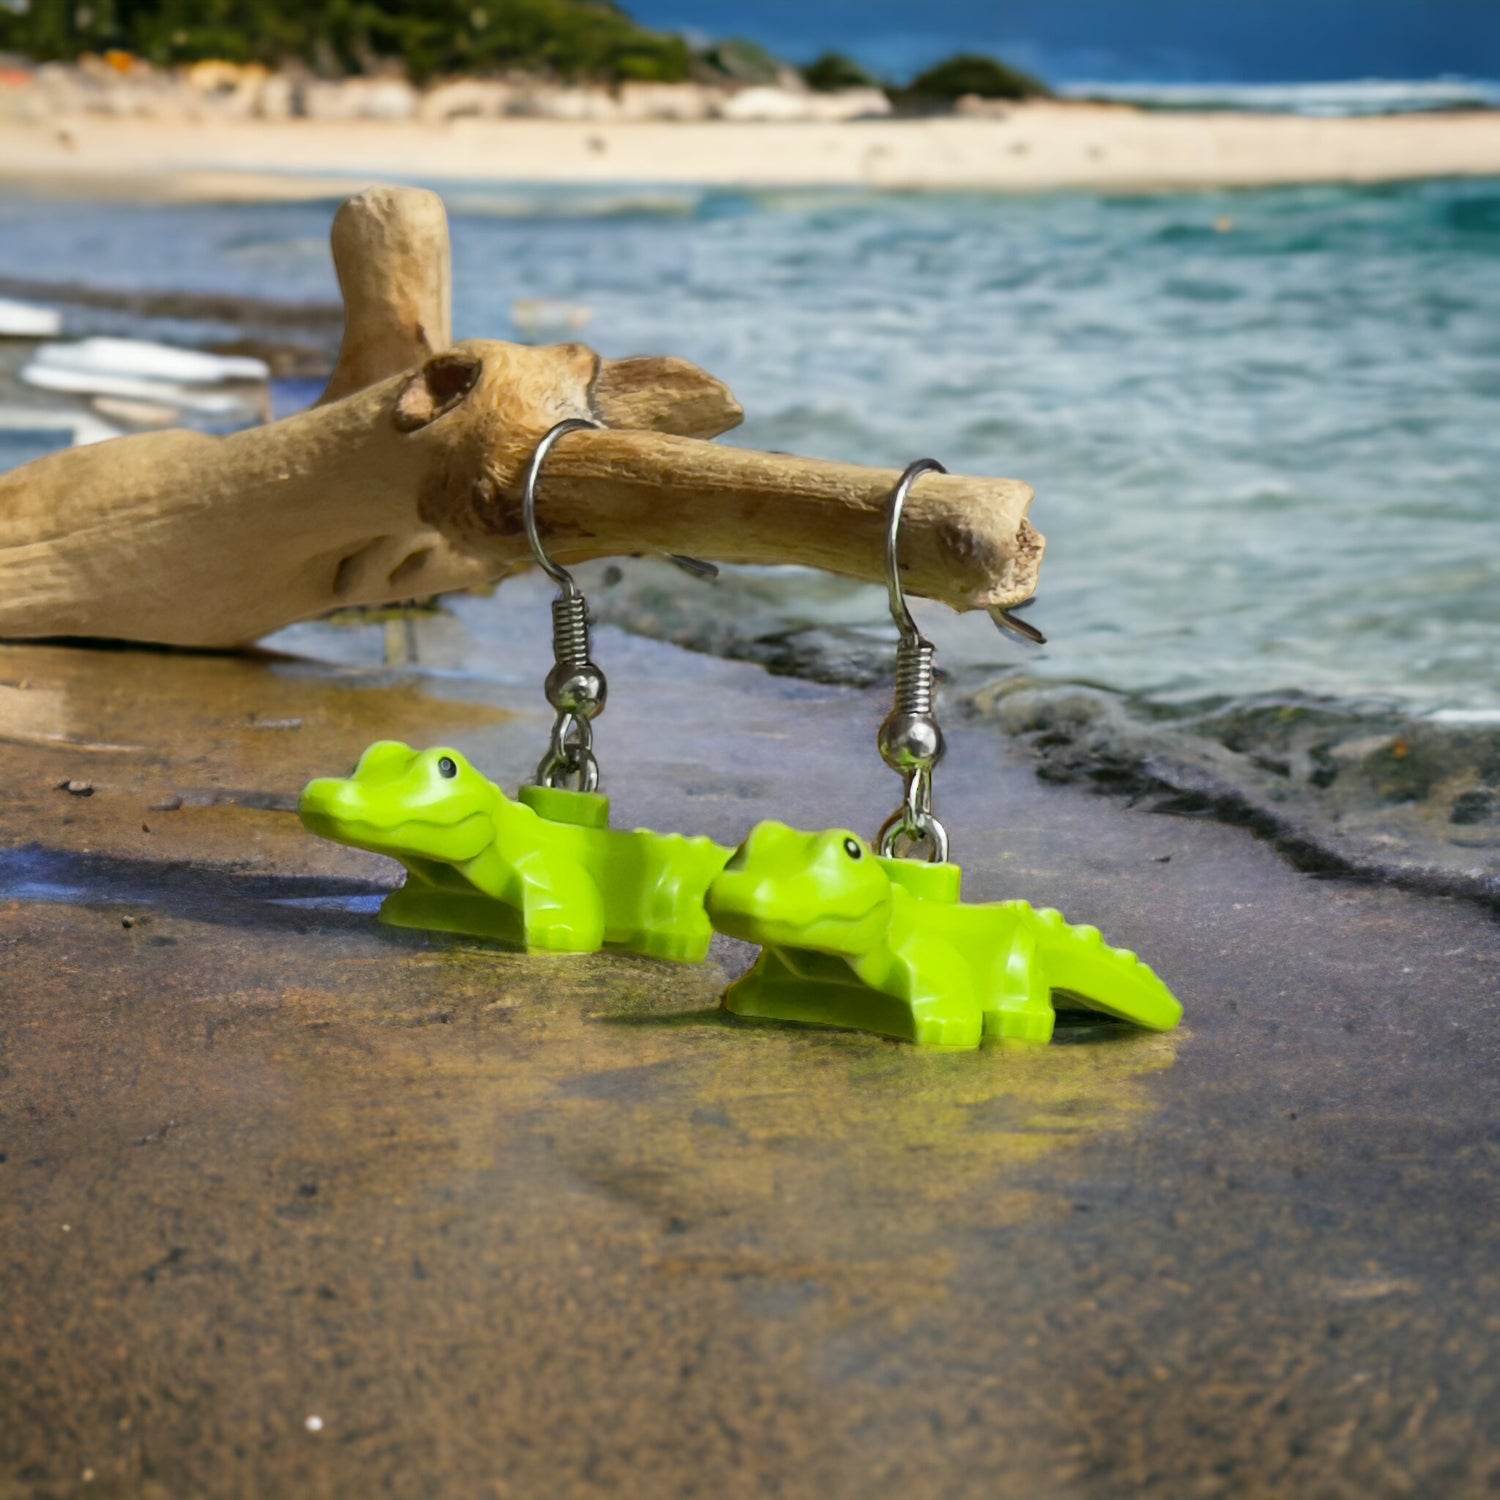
(405, 480)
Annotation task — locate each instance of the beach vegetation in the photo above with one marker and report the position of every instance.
(570, 39)
(834, 71)
(969, 73)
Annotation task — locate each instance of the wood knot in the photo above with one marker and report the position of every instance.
(435, 389)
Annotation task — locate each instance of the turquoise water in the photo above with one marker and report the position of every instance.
(1263, 427)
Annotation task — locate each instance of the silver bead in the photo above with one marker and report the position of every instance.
(577, 688)
(910, 742)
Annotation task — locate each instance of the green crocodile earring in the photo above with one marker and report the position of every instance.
(543, 871)
(876, 939)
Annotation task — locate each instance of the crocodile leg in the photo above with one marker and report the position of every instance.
(795, 984)
(437, 898)
(1022, 1008)
(816, 989)
(674, 926)
(936, 987)
(562, 913)
(947, 1020)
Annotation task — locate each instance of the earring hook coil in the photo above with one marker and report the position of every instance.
(910, 740)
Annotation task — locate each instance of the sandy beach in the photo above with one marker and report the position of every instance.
(296, 1204)
(1031, 147)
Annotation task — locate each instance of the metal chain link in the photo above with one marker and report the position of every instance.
(570, 757)
(914, 822)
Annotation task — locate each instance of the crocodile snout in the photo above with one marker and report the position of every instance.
(331, 797)
(330, 806)
(332, 800)
(750, 890)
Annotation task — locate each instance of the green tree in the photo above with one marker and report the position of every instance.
(971, 73)
(48, 29)
(833, 71)
(574, 39)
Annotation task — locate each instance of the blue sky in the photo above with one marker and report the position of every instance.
(1189, 41)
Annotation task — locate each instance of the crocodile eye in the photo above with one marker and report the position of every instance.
(852, 849)
(447, 768)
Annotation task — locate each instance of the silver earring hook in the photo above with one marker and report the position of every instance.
(693, 566)
(1004, 619)
(899, 612)
(910, 741)
(558, 574)
(575, 687)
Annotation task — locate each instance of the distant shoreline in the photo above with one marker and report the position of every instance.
(1030, 147)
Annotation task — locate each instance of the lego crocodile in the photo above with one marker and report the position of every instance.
(543, 872)
(885, 945)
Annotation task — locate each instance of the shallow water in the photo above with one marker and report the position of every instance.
(1261, 425)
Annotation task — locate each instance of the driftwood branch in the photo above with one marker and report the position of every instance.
(404, 484)
(391, 253)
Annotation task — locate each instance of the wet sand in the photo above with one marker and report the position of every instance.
(292, 1204)
(1030, 147)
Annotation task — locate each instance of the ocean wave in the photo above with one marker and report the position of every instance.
(1366, 787)
(1351, 788)
(1365, 96)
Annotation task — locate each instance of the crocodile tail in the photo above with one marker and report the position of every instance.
(1078, 961)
